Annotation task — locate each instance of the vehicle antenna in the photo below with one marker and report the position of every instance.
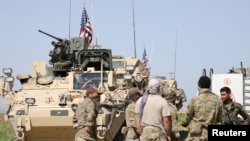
(134, 28)
(175, 55)
(69, 16)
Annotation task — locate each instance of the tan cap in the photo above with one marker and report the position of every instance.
(168, 91)
(92, 90)
(133, 90)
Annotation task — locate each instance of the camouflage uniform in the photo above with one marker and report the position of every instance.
(86, 116)
(174, 116)
(131, 134)
(130, 130)
(231, 111)
(203, 110)
(173, 111)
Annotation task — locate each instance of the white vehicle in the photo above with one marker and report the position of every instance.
(238, 80)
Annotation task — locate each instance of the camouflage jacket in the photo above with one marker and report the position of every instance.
(206, 108)
(230, 114)
(86, 113)
(130, 114)
(174, 117)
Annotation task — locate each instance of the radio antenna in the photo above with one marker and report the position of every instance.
(69, 16)
(134, 28)
(175, 54)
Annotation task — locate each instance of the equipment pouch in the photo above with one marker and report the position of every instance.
(195, 128)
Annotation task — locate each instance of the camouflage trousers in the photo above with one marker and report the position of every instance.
(83, 135)
(152, 134)
(203, 136)
(131, 135)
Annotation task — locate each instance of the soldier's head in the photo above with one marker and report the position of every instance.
(134, 93)
(154, 86)
(169, 94)
(204, 82)
(93, 92)
(225, 93)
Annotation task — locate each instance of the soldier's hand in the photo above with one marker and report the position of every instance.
(184, 124)
(246, 123)
(89, 130)
(168, 138)
(138, 131)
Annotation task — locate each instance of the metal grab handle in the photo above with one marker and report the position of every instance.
(99, 136)
(20, 137)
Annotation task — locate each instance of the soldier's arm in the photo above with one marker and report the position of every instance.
(167, 120)
(137, 118)
(244, 114)
(91, 115)
(219, 113)
(167, 126)
(137, 123)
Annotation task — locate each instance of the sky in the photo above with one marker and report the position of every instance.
(180, 36)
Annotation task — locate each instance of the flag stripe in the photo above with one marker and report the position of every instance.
(144, 58)
(85, 26)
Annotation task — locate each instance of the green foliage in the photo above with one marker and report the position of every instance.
(6, 130)
(181, 117)
(183, 130)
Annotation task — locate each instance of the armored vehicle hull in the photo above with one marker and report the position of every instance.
(44, 106)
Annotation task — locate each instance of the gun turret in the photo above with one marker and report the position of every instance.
(62, 58)
(66, 53)
(58, 39)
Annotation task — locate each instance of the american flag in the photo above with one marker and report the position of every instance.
(85, 26)
(144, 58)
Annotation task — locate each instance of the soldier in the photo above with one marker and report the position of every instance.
(90, 83)
(130, 132)
(170, 95)
(203, 110)
(86, 116)
(231, 109)
(152, 115)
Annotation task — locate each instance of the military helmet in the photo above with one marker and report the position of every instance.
(166, 91)
(133, 90)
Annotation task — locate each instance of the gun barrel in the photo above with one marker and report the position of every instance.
(59, 39)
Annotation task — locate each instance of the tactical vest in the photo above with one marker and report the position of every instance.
(86, 113)
(230, 114)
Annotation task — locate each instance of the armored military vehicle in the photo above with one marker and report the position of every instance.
(172, 83)
(43, 107)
